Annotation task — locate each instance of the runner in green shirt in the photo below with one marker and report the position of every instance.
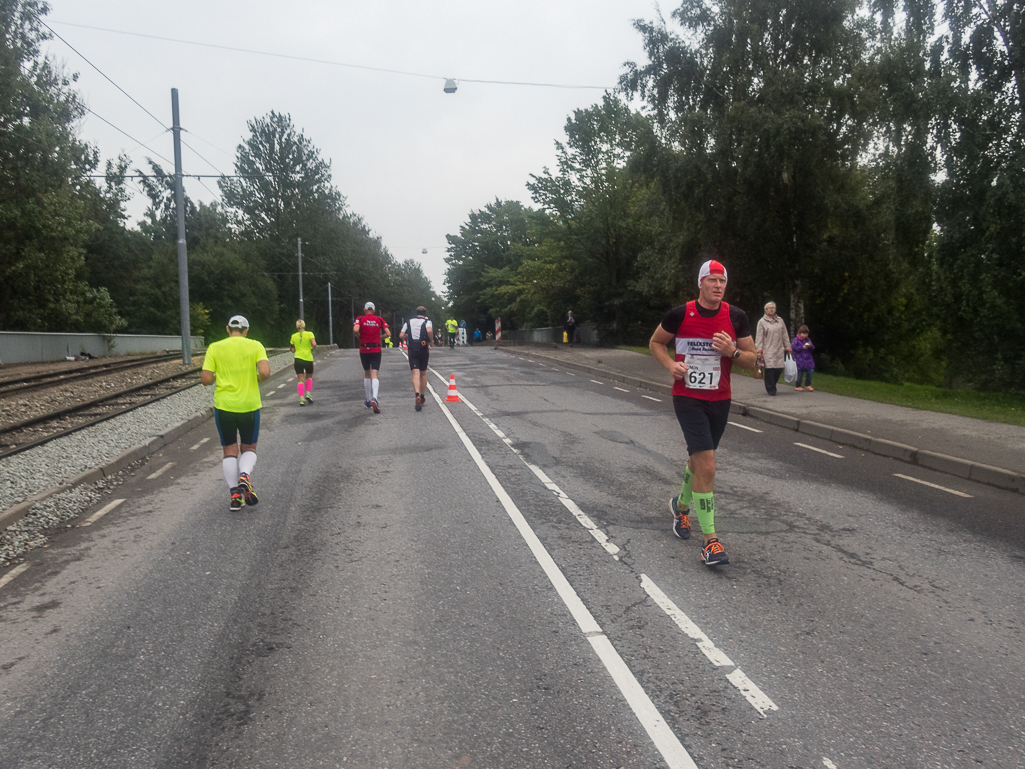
(237, 365)
(302, 344)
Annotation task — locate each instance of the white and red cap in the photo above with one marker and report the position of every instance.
(711, 267)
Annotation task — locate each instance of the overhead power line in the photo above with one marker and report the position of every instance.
(324, 61)
(128, 135)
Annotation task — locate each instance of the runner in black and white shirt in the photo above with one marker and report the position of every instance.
(418, 332)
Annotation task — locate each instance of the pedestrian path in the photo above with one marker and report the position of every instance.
(990, 452)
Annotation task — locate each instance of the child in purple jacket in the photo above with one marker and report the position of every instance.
(802, 347)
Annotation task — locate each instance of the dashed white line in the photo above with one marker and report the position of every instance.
(759, 701)
(821, 451)
(620, 389)
(657, 400)
(12, 574)
(193, 448)
(597, 382)
(745, 427)
(751, 692)
(933, 485)
(159, 472)
(100, 513)
(665, 741)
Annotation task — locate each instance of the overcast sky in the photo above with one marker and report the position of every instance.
(411, 159)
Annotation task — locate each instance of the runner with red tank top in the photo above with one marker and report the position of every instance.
(708, 336)
(370, 329)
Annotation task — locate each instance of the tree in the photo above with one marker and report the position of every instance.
(600, 203)
(46, 196)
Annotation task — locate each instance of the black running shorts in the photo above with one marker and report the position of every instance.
(370, 360)
(239, 427)
(303, 366)
(703, 422)
(418, 358)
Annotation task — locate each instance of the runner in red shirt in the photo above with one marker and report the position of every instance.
(370, 329)
(709, 337)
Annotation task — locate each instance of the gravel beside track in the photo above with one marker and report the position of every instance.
(58, 461)
(15, 407)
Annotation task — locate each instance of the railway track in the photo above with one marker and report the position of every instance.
(28, 433)
(16, 385)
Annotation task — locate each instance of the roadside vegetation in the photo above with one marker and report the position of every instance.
(1008, 408)
(859, 163)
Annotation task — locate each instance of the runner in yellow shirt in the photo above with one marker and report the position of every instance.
(303, 343)
(237, 365)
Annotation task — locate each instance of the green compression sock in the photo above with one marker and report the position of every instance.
(705, 506)
(685, 493)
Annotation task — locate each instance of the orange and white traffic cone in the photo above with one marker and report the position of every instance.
(453, 393)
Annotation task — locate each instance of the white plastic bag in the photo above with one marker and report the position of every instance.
(790, 370)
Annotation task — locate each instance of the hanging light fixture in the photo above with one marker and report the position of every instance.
(450, 86)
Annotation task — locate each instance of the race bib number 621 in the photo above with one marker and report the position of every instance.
(702, 372)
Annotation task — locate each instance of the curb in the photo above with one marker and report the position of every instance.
(120, 462)
(962, 468)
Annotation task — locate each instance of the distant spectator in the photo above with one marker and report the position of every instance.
(802, 347)
(571, 329)
(477, 336)
(772, 344)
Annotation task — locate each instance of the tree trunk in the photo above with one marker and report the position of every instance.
(796, 307)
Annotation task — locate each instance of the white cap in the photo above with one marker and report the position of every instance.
(238, 321)
(369, 306)
(711, 267)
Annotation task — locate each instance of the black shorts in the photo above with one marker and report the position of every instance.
(418, 358)
(703, 422)
(370, 360)
(240, 427)
(303, 366)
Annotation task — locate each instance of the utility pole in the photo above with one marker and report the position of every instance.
(302, 314)
(330, 323)
(183, 259)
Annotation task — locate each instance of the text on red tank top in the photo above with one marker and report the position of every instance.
(370, 328)
(694, 337)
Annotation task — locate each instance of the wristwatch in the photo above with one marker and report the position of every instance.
(736, 353)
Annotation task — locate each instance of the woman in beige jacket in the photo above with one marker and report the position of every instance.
(771, 343)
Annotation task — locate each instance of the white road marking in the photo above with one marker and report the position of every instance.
(159, 472)
(827, 763)
(709, 649)
(657, 400)
(933, 485)
(759, 701)
(12, 574)
(752, 693)
(673, 752)
(597, 382)
(620, 389)
(744, 427)
(570, 373)
(549, 484)
(100, 513)
(821, 451)
(193, 448)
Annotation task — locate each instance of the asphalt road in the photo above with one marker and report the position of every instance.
(501, 589)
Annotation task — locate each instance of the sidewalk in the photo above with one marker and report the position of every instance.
(988, 452)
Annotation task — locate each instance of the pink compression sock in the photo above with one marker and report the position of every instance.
(309, 386)
(299, 387)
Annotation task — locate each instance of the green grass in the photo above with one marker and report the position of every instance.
(632, 348)
(996, 407)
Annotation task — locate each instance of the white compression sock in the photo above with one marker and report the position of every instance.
(247, 462)
(376, 386)
(229, 465)
(366, 389)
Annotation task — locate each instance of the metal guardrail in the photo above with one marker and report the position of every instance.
(39, 346)
(552, 334)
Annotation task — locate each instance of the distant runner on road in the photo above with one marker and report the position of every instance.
(370, 329)
(709, 336)
(303, 344)
(237, 365)
(418, 331)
